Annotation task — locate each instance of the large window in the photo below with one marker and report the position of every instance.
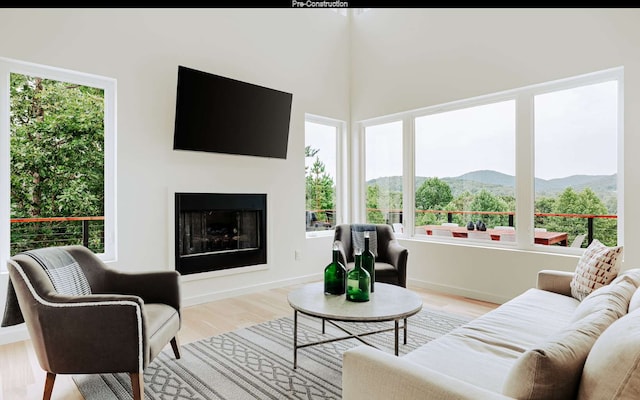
(383, 173)
(576, 162)
(530, 167)
(323, 138)
(465, 168)
(57, 157)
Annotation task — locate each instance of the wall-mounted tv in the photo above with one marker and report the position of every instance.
(223, 115)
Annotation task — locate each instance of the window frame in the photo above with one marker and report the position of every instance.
(9, 66)
(342, 210)
(524, 157)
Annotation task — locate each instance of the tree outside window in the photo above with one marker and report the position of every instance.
(57, 162)
(320, 176)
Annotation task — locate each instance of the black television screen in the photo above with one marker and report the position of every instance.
(224, 115)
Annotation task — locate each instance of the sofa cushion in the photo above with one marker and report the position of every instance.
(551, 370)
(483, 351)
(614, 296)
(611, 369)
(597, 266)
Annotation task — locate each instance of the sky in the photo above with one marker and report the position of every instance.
(575, 134)
(323, 138)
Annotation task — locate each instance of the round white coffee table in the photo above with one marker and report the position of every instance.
(386, 303)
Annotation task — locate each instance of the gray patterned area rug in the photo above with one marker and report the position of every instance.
(257, 362)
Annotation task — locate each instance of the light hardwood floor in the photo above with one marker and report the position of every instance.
(22, 379)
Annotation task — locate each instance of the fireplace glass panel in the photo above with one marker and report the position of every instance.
(218, 231)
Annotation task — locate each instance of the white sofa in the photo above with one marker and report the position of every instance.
(543, 344)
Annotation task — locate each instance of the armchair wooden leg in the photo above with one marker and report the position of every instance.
(175, 346)
(48, 386)
(137, 385)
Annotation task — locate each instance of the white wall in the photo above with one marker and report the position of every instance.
(304, 52)
(406, 59)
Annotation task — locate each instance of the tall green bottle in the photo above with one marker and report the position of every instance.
(335, 275)
(369, 260)
(358, 281)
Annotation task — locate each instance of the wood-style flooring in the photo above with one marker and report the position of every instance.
(21, 377)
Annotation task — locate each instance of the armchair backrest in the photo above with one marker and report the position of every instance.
(89, 265)
(384, 235)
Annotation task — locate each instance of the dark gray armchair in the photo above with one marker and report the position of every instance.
(391, 261)
(112, 322)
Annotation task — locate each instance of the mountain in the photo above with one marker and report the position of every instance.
(502, 184)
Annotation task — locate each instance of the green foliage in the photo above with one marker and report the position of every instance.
(382, 204)
(374, 215)
(584, 203)
(486, 201)
(57, 151)
(319, 187)
(433, 194)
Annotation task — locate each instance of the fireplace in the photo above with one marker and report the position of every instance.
(216, 231)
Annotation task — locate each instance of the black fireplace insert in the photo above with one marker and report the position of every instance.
(216, 231)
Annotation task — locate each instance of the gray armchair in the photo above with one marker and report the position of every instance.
(391, 261)
(86, 318)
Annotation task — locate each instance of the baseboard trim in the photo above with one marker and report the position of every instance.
(458, 291)
(206, 298)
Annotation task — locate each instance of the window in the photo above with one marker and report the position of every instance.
(534, 166)
(323, 138)
(576, 163)
(57, 138)
(383, 173)
(465, 167)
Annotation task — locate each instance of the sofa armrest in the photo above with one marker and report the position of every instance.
(555, 281)
(370, 374)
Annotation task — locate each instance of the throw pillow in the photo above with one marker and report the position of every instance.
(597, 267)
(357, 237)
(552, 370)
(613, 297)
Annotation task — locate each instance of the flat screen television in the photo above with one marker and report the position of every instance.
(223, 115)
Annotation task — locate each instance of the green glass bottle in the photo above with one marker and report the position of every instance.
(335, 275)
(358, 281)
(369, 261)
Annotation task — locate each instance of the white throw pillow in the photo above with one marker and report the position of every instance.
(597, 267)
(613, 297)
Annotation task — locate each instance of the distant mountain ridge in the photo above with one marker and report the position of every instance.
(504, 185)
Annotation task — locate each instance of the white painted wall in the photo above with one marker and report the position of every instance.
(405, 59)
(304, 52)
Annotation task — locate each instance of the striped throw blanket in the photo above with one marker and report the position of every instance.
(63, 271)
(357, 237)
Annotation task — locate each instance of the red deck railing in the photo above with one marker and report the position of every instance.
(29, 233)
(397, 213)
